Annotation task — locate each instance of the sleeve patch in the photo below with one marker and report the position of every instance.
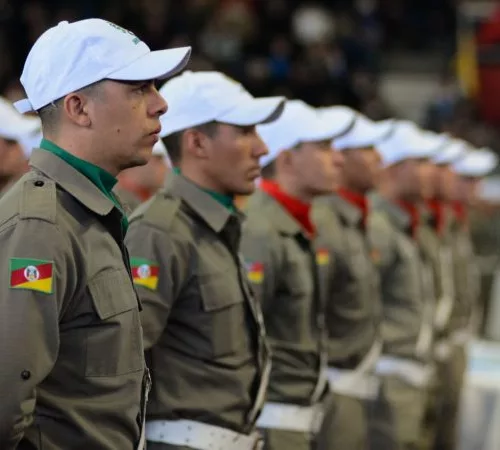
(31, 274)
(145, 273)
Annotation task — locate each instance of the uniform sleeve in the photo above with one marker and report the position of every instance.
(35, 269)
(159, 263)
(262, 258)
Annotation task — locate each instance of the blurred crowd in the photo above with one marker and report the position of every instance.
(323, 52)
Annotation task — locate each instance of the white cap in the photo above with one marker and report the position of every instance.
(195, 98)
(363, 133)
(28, 143)
(450, 152)
(298, 123)
(489, 189)
(14, 125)
(341, 117)
(407, 141)
(71, 56)
(476, 163)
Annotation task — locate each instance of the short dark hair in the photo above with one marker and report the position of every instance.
(50, 114)
(173, 141)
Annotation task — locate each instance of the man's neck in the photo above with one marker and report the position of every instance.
(200, 179)
(85, 152)
(290, 188)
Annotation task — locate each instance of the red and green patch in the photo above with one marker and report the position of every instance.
(145, 273)
(31, 274)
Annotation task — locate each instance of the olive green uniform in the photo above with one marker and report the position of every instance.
(203, 330)
(437, 251)
(461, 325)
(128, 199)
(353, 319)
(407, 327)
(290, 290)
(72, 371)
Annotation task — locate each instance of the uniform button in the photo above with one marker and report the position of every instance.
(39, 183)
(25, 375)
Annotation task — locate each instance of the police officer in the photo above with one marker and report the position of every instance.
(71, 355)
(288, 269)
(14, 130)
(459, 181)
(407, 326)
(354, 308)
(436, 245)
(203, 330)
(138, 184)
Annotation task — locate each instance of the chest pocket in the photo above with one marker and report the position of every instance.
(223, 305)
(114, 339)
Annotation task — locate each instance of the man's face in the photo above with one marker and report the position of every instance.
(12, 161)
(467, 190)
(232, 158)
(126, 118)
(410, 177)
(448, 184)
(362, 168)
(317, 167)
(426, 175)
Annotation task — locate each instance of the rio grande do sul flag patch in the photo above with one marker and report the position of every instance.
(322, 256)
(256, 272)
(31, 274)
(145, 273)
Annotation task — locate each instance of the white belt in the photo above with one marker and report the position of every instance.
(414, 373)
(359, 382)
(352, 384)
(282, 416)
(199, 436)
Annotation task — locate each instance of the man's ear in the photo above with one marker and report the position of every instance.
(196, 143)
(284, 161)
(76, 109)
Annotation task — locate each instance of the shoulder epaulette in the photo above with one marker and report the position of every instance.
(159, 211)
(38, 199)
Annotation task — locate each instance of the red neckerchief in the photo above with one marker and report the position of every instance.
(299, 210)
(437, 209)
(460, 212)
(412, 210)
(141, 193)
(358, 200)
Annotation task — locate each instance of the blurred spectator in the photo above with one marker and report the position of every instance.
(322, 51)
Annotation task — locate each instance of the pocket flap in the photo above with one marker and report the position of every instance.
(112, 293)
(220, 290)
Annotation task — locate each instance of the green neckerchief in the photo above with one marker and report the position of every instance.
(225, 200)
(104, 181)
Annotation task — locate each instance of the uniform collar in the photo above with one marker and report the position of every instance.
(269, 207)
(397, 215)
(295, 208)
(351, 206)
(414, 213)
(204, 204)
(72, 181)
